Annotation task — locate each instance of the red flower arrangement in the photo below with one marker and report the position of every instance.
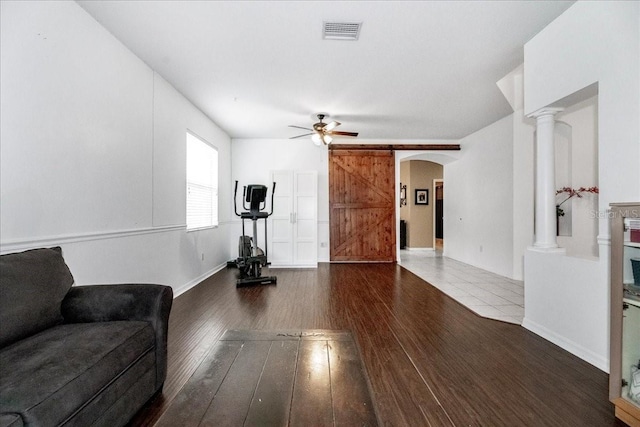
(573, 192)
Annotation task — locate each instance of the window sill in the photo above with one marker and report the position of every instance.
(208, 227)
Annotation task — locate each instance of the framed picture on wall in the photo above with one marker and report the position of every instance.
(422, 197)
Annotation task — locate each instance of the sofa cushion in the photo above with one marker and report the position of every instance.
(51, 376)
(32, 287)
(10, 420)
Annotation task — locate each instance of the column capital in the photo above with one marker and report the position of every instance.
(547, 111)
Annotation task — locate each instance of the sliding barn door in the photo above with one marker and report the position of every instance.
(362, 205)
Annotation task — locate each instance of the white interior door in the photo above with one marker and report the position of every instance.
(294, 223)
(281, 245)
(305, 226)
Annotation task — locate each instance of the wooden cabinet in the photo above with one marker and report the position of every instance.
(624, 378)
(294, 223)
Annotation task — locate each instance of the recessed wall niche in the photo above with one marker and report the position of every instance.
(564, 162)
(576, 145)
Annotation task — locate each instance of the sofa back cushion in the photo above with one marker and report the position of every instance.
(32, 287)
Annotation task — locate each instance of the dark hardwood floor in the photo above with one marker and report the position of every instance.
(309, 377)
(430, 361)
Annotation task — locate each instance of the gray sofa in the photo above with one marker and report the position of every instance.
(76, 356)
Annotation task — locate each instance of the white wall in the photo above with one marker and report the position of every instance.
(567, 299)
(173, 115)
(512, 87)
(595, 42)
(254, 159)
(92, 153)
(523, 185)
(76, 135)
(478, 208)
(566, 304)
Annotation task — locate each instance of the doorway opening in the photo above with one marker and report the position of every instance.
(425, 224)
(418, 213)
(438, 216)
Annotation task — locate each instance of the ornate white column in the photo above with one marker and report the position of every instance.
(545, 181)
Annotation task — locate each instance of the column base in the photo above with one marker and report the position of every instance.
(548, 250)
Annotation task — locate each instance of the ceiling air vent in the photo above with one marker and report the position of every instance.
(341, 30)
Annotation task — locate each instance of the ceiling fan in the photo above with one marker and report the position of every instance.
(323, 133)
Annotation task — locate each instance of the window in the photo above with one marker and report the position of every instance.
(202, 184)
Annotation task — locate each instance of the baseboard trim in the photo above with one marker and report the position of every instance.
(190, 284)
(293, 266)
(583, 353)
(418, 249)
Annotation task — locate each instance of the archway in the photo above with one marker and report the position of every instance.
(429, 156)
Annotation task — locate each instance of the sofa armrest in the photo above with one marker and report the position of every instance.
(103, 303)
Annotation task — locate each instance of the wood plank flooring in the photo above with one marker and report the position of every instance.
(276, 378)
(430, 361)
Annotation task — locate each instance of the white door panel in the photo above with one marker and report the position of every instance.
(307, 183)
(294, 221)
(280, 230)
(307, 208)
(280, 209)
(280, 253)
(306, 230)
(306, 253)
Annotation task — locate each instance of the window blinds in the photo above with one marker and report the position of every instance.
(202, 184)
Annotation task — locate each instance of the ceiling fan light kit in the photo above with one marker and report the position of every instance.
(330, 126)
(322, 133)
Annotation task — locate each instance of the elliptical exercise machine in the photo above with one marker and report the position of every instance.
(251, 258)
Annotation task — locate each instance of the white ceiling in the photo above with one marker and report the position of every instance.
(420, 70)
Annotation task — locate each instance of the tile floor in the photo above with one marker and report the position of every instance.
(487, 294)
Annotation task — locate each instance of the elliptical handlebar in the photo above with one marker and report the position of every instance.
(235, 204)
(244, 199)
(244, 195)
(273, 192)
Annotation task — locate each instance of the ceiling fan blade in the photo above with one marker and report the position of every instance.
(330, 126)
(339, 133)
(299, 127)
(300, 136)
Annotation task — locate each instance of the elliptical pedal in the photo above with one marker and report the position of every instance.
(263, 280)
